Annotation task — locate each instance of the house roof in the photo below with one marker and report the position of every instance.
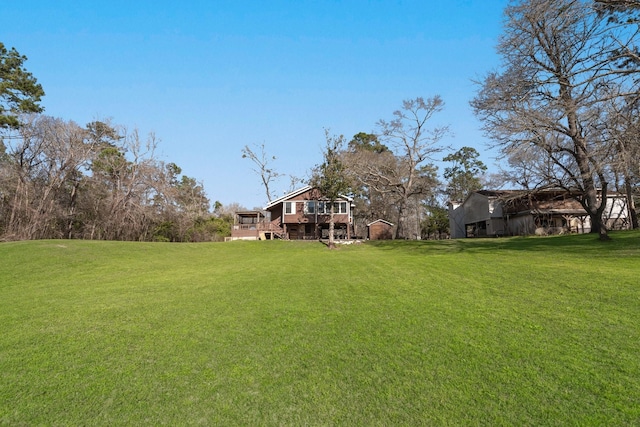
(490, 194)
(249, 213)
(288, 196)
(510, 196)
(379, 220)
(297, 193)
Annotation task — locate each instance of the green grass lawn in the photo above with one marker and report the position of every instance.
(513, 331)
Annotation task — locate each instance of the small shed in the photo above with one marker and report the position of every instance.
(380, 230)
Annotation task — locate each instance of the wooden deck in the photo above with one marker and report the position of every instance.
(259, 230)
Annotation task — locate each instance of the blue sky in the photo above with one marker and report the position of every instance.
(209, 77)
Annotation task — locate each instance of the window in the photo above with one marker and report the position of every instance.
(310, 207)
(289, 208)
(338, 208)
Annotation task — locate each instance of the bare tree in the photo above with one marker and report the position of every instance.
(622, 130)
(622, 20)
(414, 144)
(122, 182)
(372, 171)
(546, 102)
(262, 163)
(294, 182)
(180, 204)
(59, 180)
(41, 173)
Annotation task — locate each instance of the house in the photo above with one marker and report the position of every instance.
(380, 230)
(300, 215)
(479, 215)
(515, 212)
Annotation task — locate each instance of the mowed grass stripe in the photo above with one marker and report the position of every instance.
(540, 331)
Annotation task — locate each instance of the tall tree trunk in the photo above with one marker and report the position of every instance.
(332, 243)
(400, 221)
(589, 201)
(72, 209)
(631, 205)
(595, 209)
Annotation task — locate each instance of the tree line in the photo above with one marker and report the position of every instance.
(61, 180)
(100, 181)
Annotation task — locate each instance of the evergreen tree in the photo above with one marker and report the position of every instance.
(19, 91)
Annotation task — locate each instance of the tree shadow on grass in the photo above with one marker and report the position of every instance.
(622, 243)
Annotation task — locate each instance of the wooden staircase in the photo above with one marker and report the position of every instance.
(272, 230)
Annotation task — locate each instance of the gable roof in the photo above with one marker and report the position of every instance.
(288, 196)
(296, 193)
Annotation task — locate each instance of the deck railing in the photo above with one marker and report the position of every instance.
(260, 227)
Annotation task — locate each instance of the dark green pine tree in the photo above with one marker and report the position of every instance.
(464, 176)
(19, 90)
